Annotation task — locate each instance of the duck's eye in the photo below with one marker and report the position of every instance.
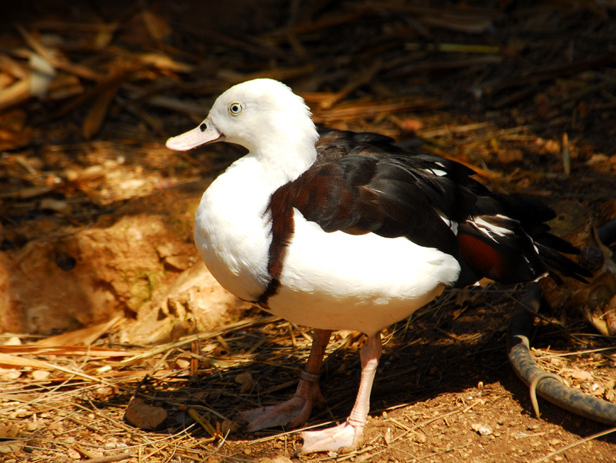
(235, 108)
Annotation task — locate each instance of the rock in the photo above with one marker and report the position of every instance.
(228, 427)
(13, 447)
(245, 381)
(195, 302)
(8, 431)
(482, 429)
(32, 426)
(144, 416)
(140, 259)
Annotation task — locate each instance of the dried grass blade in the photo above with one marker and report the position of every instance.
(83, 336)
(453, 48)
(66, 350)
(17, 361)
(362, 79)
(36, 45)
(368, 109)
(14, 360)
(575, 444)
(76, 69)
(202, 336)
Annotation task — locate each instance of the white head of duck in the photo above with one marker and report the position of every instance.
(264, 116)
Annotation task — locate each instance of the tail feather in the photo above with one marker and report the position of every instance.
(562, 264)
(515, 247)
(554, 242)
(508, 257)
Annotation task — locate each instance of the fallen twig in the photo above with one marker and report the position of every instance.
(110, 458)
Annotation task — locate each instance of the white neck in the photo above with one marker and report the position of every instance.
(283, 159)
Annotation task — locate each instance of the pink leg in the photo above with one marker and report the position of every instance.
(347, 436)
(295, 411)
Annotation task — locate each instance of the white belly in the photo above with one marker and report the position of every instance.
(359, 282)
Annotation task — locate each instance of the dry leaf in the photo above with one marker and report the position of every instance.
(182, 364)
(164, 62)
(575, 373)
(12, 67)
(157, 27)
(5, 80)
(15, 94)
(104, 36)
(94, 120)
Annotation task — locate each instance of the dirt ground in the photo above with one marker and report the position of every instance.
(524, 92)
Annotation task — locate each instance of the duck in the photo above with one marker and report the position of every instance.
(345, 230)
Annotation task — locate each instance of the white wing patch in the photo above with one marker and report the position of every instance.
(452, 224)
(437, 172)
(492, 230)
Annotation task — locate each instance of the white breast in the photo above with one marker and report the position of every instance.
(231, 232)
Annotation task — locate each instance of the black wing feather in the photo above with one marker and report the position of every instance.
(363, 183)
